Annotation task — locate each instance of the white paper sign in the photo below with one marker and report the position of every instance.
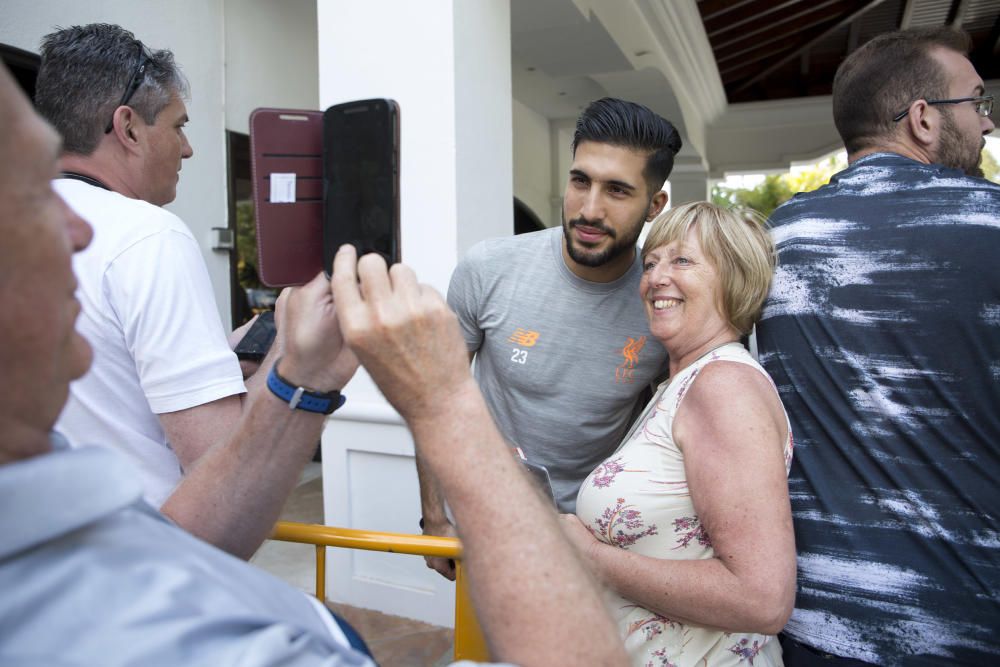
(282, 188)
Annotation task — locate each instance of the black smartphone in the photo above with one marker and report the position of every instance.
(361, 179)
(257, 341)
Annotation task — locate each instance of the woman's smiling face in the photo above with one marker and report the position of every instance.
(681, 291)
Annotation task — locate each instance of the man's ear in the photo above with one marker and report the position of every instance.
(922, 123)
(125, 127)
(656, 205)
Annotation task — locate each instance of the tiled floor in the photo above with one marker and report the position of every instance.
(399, 642)
(394, 641)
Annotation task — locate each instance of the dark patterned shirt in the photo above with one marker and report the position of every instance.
(882, 332)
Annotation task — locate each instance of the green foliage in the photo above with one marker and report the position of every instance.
(246, 245)
(772, 192)
(776, 189)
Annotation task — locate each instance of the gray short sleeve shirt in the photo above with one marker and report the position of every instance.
(560, 360)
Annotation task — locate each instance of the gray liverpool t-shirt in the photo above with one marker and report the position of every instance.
(560, 360)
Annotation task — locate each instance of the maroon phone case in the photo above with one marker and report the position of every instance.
(289, 235)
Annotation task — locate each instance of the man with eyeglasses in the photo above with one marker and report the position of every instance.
(882, 333)
(165, 389)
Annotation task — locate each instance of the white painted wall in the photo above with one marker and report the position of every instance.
(271, 57)
(483, 125)
(236, 54)
(415, 67)
(688, 181)
(758, 136)
(447, 64)
(560, 146)
(193, 30)
(533, 161)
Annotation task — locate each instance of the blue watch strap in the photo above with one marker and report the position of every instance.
(300, 398)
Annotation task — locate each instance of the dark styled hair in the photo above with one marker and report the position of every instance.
(630, 125)
(885, 76)
(84, 72)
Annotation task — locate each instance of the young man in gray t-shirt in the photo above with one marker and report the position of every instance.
(554, 320)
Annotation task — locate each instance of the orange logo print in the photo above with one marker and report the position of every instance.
(523, 337)
(625, 370)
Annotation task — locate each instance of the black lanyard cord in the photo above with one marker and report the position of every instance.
(89, 180)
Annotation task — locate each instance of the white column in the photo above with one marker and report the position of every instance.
(688, 181)
(447, 65)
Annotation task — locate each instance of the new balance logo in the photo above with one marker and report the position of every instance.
(523, 337)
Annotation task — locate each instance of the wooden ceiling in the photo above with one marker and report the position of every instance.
(780, 49)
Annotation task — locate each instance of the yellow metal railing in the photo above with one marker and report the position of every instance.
(469, 641)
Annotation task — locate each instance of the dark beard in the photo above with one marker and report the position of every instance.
(951, 153)
(594, 259)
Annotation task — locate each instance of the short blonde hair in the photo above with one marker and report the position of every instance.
(738, 245)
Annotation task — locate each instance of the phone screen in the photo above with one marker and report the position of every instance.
(361, 179)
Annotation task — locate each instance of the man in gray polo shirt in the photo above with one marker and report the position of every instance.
(553, 318)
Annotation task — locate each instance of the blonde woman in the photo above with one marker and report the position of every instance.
(688, 523)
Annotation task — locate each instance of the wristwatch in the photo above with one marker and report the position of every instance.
(300, 398)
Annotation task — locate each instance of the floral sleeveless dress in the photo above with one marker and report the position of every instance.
(638, 500)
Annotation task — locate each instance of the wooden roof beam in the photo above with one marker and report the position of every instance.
(907, 19)
(798, 20)
(739, 17)
(956, 17)
(728, 73)
(796, 52)
(758, 46)
(764, 25)
(711, 9)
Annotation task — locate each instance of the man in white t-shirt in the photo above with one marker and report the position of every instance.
(165, 388)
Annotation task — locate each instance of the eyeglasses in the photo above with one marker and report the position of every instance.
(984, 105)
(133, 85)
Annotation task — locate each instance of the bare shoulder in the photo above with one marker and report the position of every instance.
(729, 398)
(729, 381)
